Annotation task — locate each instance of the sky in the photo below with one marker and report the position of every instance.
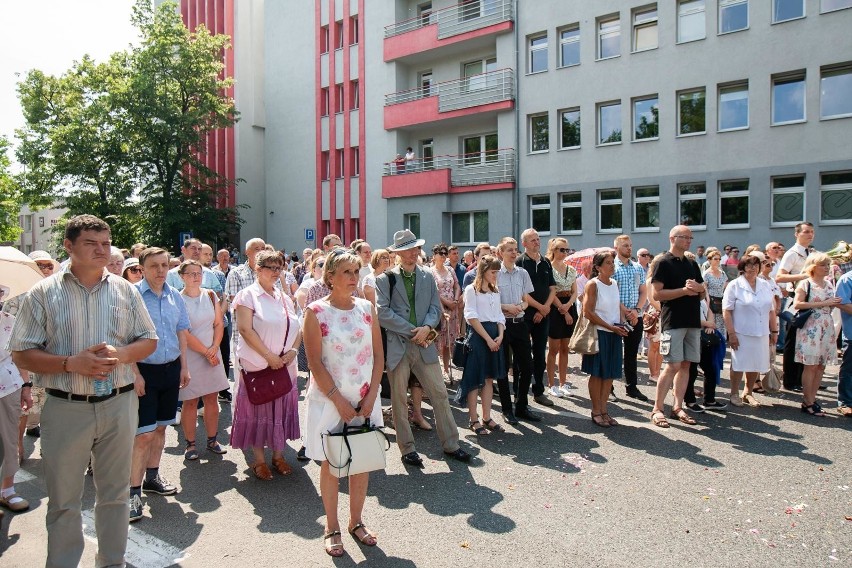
(50, 35)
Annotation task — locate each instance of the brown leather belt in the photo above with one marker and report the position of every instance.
(88, 398)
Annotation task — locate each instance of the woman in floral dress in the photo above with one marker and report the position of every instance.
(449, 292)
(716, 281)
(815, 341)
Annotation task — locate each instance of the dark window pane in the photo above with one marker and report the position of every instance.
(692, 116)
(788, 207)
(570, 128)
(693, 212)
(734, 211)
(480, 226)
(572, 219)
(541, 220)
(647, 215)
(610, 217)
(461, 228)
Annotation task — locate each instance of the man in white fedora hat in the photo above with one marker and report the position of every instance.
(408, 311)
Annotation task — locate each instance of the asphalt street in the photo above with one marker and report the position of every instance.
(747, 487)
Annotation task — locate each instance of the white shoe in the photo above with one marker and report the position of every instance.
(177, 417)
(200, 412)
(566, 390)
(555, 391)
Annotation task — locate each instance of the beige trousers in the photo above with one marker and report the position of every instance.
(70, 433)
(10, 417)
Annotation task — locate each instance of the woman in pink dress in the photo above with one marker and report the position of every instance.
(269, 337)
(450, 294)
(344, 346)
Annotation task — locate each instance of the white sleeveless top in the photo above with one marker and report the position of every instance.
(608, 306)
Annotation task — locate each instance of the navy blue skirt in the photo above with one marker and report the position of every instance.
(482, 363)
(608, 362)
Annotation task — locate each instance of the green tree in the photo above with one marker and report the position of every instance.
(10, 197)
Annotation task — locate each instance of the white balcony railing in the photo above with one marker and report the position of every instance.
(458, 19)
(482, 89)
(476, 168)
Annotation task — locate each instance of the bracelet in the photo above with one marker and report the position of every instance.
(28, 384)
(331, 392)
(65, 364)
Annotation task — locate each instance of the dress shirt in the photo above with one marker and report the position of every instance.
(482, 306)
(513, 285)
(168, 312)
(793, 262)
(630, 277)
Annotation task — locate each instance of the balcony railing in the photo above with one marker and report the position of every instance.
(458, 19)
(476, 168)
(482, 89)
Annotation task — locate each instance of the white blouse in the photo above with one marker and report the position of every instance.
(750, 307)
(483, 307)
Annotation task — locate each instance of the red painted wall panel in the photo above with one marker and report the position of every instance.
(426, 38)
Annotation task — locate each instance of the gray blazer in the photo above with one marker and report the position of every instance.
(393, 313)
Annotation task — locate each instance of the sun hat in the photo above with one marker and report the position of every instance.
(404, 240)
(38, 255)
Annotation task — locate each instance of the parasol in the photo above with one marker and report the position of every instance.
(18, 272)
(578, 258)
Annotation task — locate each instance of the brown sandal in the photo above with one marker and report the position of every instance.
(261, 471)
(659, 419)
(281, 466)
(609, 419)
(681, 415)
(599, 420)
(369, 539)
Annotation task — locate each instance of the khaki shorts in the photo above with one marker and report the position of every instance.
(683, 344)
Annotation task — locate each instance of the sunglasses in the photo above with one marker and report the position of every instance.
(45, 265)
(562, 250)
(320, 264)
(135, 270)
(645, 254)
(442, 252)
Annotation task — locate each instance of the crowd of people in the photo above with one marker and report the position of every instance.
(113, 346)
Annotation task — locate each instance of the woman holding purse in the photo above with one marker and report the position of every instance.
(344, 346)
(269, 337)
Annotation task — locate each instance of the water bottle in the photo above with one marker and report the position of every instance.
(103, 387)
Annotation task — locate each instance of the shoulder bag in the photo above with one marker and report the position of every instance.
(461, 349)
(268, 384)
(802, 316)
(585, 337)
(771, 381)
(356, 449)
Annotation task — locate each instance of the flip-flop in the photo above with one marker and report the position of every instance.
(368, 539)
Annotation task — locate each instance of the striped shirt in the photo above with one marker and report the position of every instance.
(513, 285)
(630, 276)
(60, 316)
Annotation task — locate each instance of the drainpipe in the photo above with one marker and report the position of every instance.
(516, 217)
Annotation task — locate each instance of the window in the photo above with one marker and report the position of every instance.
(692, 206)
(355, 161)
(538, 53)
(324, 101)
(835, 92)
(788, 98)
(539, 133)
(569, 46)
(832, 5)
(424, 12)
(733, 107)
(338, 35)
(836, 198)
(609, 123)
(28, 223)
(412, 222)
(646, 114)
(480, 149)
(788, 200)
(733, 15)
(609, 210)
(540, 213)
(691, 118)
(784, 10)
(733, 204)
(41, 222)
(691, 21)
(323, 39)
(339, 169)
(474, 74)
(338, 94)
(469, 228)
(609, 37)
(571, 212)
(354, 96)
(470, 9)
(645, 29)
(324, 166)
(353, 30)
(646, 208)
(569, 128)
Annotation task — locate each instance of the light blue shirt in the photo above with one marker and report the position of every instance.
(208, 280)
(844, 292)
(168, 312)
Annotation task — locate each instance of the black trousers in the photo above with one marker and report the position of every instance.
(709, 368)
(516, 342)
(631, 352)
(538, 336)
(792, 370)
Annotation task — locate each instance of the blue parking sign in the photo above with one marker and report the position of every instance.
(310, 234)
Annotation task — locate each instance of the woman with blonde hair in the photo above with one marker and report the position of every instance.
(815, 341)
(716, 281)
(563, 316)
(379, 262)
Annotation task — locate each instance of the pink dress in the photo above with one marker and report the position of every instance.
(273, 423)
(449, 327)
(347, 355)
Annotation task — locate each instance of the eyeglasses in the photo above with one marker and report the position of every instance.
(137, 270)
(275, 269)
(684, 237)
(645, 254)
(562, 250)
(735, 251)
(320, 264)
(45, 265)
(767, 263)
(192, 274)
(715, 258)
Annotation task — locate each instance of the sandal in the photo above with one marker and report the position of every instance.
(191, 453)
(758, 388)
(681, 415)
(213, 446)
(609, 419)
(492, 425)
(751, 401)
(421, 424)
(335, 548)
(368, 539)
(281, 466)
(813, 410)
(599, 420)
(481, 431)
(659, 419)
(261, 471)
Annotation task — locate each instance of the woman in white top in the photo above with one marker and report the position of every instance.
(602, 307)
(379, 262)
(485, 360)
(749, 309)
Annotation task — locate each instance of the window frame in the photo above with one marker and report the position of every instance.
(821, 11)
(823, 188)
(339, 91)
(354, 95)
(540, 207)
(338, 35)
(340, 163)
(795, 76)
(325, 101)
(355, 161)
(636, 26)
(641, 200)
(325, 165)
(845, 69)
(565, 204)
(573, 40)
(692, 12)
(472, 231)
(483, 150)
(681, 197)
(407, 219)
(531, 138)
(610, 202)
(774, 21)
(561, 134)
(738, 194)
(729, 87)
(354, 34)
(722, 5)
(324, 40)
(773, 191)
(533, 49)
(633, 102)
(679, 125)
(598, 133)
(599, 33)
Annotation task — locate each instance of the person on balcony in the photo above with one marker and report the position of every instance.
(410, 160)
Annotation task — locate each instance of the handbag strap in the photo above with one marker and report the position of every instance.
(287, 331)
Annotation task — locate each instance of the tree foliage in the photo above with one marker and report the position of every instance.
(10, 197)
(125, 139)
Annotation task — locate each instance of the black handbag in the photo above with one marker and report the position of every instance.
(709, 340)
(716, 305)
(801, 316)
(460, 352)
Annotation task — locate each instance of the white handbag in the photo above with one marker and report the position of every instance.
(357, 449)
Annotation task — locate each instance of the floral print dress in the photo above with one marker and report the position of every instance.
(816, 341)
(450, 327)
(716, 289)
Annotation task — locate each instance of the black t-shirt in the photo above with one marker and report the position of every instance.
(673, 272)
(541, 274)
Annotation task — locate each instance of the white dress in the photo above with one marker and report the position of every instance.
(204, 378)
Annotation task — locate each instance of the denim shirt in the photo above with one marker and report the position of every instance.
(168, 313)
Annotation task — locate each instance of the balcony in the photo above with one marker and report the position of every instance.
(447, 26)
(488, 92)
(478, 171)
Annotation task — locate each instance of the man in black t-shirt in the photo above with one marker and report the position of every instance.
(678, 286)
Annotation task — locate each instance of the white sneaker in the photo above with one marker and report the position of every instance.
(554, 391)
(566, 390)
(177, 417)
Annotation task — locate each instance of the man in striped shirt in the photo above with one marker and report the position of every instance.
(74, 328)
